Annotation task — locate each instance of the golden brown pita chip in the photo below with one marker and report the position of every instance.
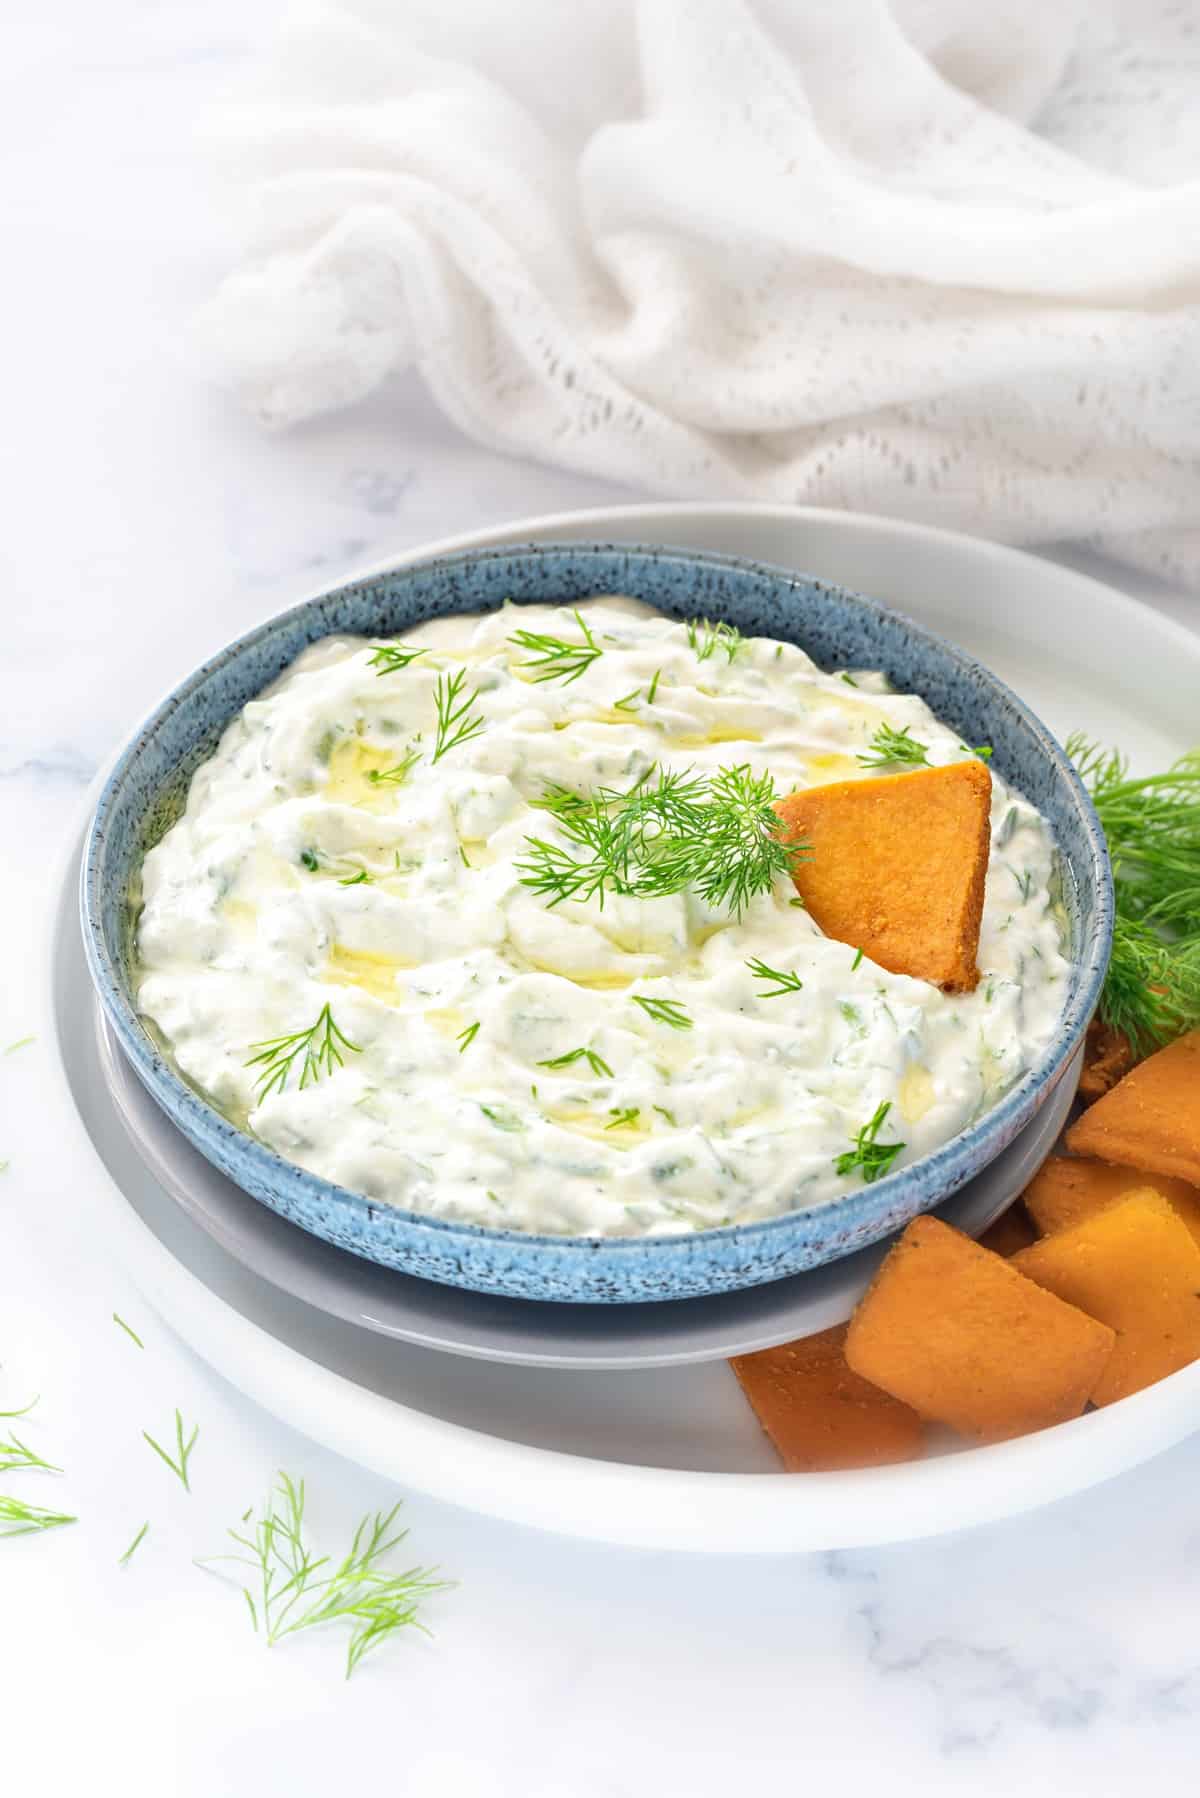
(962, 1337)
(1151, 1119)
(1069, 1188)
(897, 867)
(1011, 1231)
(1136, 1267)
(818, 1414)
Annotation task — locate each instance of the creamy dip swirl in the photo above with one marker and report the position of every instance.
(255, 919)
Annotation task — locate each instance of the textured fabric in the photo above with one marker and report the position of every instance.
(933, 258)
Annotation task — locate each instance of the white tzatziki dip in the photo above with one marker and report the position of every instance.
(341, 949)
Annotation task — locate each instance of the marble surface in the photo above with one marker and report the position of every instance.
(145, 523)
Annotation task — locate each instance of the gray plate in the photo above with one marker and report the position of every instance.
(522, 1331)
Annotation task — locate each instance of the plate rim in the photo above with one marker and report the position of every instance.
(629, 1504)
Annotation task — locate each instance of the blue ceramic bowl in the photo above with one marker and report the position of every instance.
(145, 793)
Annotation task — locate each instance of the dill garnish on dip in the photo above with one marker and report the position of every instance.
(496, 921)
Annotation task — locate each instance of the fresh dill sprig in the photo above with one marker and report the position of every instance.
(554, 658)
(131, 1333)
(627, 704)
(20, 1519)
(321, 1046)
(397, 775)
(596, 1062)
(1152, 989)
(390, 657)
(16, 1455)
(728, 853)
(1153, 829)
(857, 959)
(22, 1042)
(124, 1560)
(310, 859)
(362, 878)
(706, 638)
(664, 1011)
(182, 1449)
(785, 982)
(653, 689)
(1152, 824)
(466, 1037)
(624, 1117)
(619, 831)
(296, 1590)
(888, 746)
(456, 723)
(719, 836)
(871, 1158)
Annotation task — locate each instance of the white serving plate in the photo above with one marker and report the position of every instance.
(668, 1457)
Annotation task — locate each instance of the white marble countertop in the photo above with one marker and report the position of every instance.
(146, 522)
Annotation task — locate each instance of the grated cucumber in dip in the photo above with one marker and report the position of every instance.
(352, 859)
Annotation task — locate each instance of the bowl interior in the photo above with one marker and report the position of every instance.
(147, 788)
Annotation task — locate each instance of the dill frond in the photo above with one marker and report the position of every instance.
(320, 1045)
(556, 658)
(456, 723)
(20, 1519)
(871, 1158)
(297, 1590)
(785, 982)
(890, 746)
(1152, 825)
(717, 836)
(183, 1449)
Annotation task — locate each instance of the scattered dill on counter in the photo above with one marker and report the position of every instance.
(16, 1456)
(24, 1409)
(124, 1560)
(20, 1519)
(182, 1449)
(295, 1589)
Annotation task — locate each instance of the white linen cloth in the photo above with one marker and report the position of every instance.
(936, 258)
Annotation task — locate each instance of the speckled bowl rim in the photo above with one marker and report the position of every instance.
(931, 1177)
